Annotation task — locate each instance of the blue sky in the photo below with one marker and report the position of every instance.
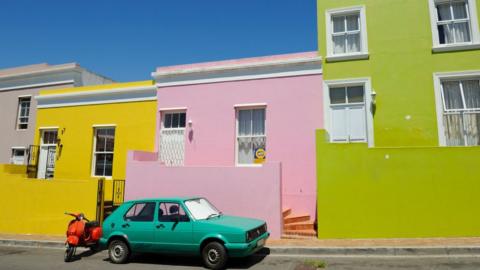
(127, 40)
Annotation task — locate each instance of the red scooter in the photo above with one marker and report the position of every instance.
(81, 233)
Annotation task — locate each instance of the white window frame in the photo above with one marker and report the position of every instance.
(367, 86)
(94, 152)
(437, 81)
(19, 110)
(241, 107)
(474, 31)
(162, 113)
(363, 53)
(18, 148)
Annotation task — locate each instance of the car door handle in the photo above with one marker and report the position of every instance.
(125, 225)
(160, 226)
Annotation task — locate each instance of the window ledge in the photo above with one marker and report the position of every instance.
(249, 165)
(458, 47)
(346, 57)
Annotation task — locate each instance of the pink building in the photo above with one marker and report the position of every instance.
(242, 134)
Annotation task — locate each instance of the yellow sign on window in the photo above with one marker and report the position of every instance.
(260, 155)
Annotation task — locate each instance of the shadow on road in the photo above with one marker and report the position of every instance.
(195, 261)
(79, 255)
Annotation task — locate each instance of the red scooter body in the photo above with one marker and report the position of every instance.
(81, 233)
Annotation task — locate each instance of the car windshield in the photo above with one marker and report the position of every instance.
(201, 209)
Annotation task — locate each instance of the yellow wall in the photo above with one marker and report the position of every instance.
(33, 206)
(134, 130)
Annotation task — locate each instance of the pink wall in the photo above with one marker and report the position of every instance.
(250, 192)
(294, 111)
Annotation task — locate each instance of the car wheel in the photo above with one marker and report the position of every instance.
(214, 255)
(118, 251)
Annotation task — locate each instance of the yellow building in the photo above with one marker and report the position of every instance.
(85, 132)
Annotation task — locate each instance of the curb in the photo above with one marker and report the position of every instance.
(374, 251)
(32, 243)
(294, 250)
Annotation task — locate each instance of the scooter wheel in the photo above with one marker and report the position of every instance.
(69, 253)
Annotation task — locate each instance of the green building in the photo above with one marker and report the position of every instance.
(400, 153)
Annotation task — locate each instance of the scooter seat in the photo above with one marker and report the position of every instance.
(92, 224)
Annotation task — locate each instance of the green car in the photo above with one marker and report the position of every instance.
(180, 226)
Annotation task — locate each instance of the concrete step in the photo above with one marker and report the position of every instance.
(286, 212)
(296, 218)
(308, 233)
(307, 225)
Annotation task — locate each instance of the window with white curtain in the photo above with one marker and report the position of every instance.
(347, 114)
(346, 32)
(461, 111)
(454, 23)
(104, 142)
(251, 137)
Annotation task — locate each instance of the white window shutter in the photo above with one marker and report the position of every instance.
(357, 123)
(339, 124)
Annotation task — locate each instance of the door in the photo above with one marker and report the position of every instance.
(173, 229)
(47, 155)
(138, 226)
(172, 138)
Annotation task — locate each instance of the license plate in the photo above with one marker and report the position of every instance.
(261, 242)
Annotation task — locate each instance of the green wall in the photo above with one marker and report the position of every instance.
(401, 67)
(397, 192)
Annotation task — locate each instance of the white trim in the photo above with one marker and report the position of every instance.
(116, 95)
(96, 102)
(241, 78)
(36, 85)
(94, 157)
(172, 109)
(363, 53)
(346, 57)
(236, 66)
(49, 127)
(450, 48)
(242, 106)
(24, 96)
(96, 92)
(104, 125)
(366, 82)
(18, 147)
(237, 116)
(474, 31)
(437, 84)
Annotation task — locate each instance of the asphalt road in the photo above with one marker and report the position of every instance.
(18, 258)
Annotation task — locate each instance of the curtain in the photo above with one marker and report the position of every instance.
(459, 10)
(353, 42)
(444, 13)
(462, 32)
(472, 128)
(258, 124)
(339, 44)
(454, 129)
(452, 95)
(244, 122)
(245, 151)
(352, 23)
(471, 90)
(338, 24)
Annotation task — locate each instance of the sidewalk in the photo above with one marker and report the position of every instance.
(328, 247)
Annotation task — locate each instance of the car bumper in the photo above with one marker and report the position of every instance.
(246, 249)
(102, 243)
